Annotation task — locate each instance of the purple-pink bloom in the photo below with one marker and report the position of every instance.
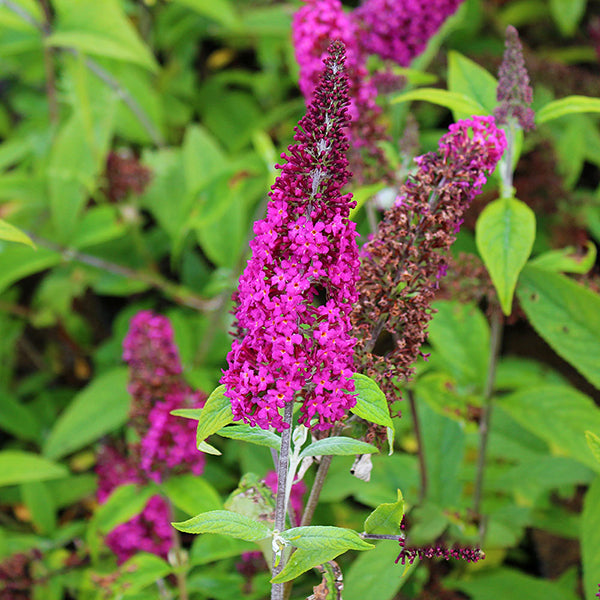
(296, 494)
(304, 250)
(149, 531)
(400, 29)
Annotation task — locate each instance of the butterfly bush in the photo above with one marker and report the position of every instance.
(406, 257)
(292, 316)
(399, 30)
(166, 443)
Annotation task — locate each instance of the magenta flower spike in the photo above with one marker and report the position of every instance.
(289, 345)
(400, 29)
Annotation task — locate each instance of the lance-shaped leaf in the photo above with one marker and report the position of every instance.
(371, 403)
(460, 103)
(337, 445)
(386, 518)
(565, 260)
(505, 233)
(594, 443)
(225, 522)
(253, 435)
(13, 234)
(566, 106)
(316, 545)
(566, 315)
(214, 416)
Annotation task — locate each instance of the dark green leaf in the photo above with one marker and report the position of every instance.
(221, 11)
(99, 408)
(125, 502)
(17, 262)
(567, 14)
(140, 571)
(590, 540)
(558, 414)
(225, 522)
(40, 504)
(505, 233)
(566, 315)
(18, 419)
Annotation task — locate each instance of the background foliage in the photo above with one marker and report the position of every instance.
(138, 142)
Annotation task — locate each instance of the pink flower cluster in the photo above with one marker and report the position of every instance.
(150, 531)
(166, 445)
(399, 30)
(296, 494)
(296, 293)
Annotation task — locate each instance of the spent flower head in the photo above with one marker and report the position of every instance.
(405, 259)
(292, 319)
(514, 92)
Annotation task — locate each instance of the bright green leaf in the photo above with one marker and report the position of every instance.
(225, 522)
(594, 443)
(567, 14)
(338, 446)
(566, 315)
(459, 103)
(566, 106)
(221, 11)
(98, 409)
(18, 418)
(505, 233)
(192, 494)
(386, 518)
(124, 502)
(41, 506)
(565, 260)
(471, 80)
(19, 467)
(139, 572)
(317, 545)
(11, 233)
(253, 435)
(101, 29)
(371, 403)
(558, 414)
(590, 540)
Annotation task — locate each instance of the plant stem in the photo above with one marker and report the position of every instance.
(420, 446)
(281, 500)
(484, 424)
(177, 293)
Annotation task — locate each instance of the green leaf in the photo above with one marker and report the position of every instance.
(11, 233)
(469, 79)
(99, 224)
(139, 572)
(18, 419)
(98, 409)
(338, 446)
(386, 518)
(39, 502)
(594, 443)
(17, 262)
(508, 584)
(567, 14)
(460, 335)
(226, 522)
(566, 315)
(504, 234)
(558, 414)
(19, 467)
(215, 414)
(566, 260)
(221, 11)
(124, 503)
(317, 545)
(211, 547)
(371, 403)
(100, 29)
(590, 540)
(374, 576)
(253, 435)
(192, 494)
(458, 103)
(567, 106)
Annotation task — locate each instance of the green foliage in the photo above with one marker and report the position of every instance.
(505, 233)
(20, 467)
(225, 522)
(386, 518)
(337, 446)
